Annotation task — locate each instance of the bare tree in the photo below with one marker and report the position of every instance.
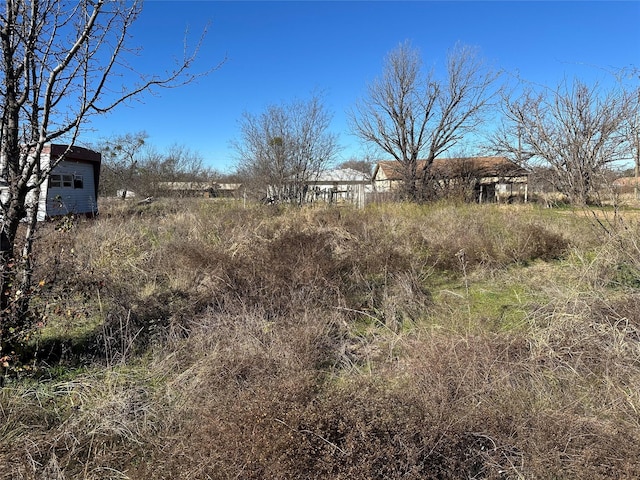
(131, 164)
(284, 147)
(182, 164)
(178, 163)
(122, 157)
(411, 115)
(365, 166)
(575, 129)
(61, 63)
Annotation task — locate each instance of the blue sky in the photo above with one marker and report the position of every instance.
(280, 51)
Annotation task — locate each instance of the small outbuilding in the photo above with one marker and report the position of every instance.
(341, 185)
(72, 185)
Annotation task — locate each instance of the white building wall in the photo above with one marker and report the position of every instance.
(65, 198)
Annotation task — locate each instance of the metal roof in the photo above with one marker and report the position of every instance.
(341, 175)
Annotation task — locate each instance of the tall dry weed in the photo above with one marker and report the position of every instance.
(231, 342)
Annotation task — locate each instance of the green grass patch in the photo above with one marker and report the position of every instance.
(485, 306)
(499, 308)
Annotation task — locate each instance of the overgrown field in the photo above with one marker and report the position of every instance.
(200, 339)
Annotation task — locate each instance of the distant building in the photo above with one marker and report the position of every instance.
(490, 178)
(200, 189)
(342, 185)
(187, 189)
(229, 190)
(626, 184)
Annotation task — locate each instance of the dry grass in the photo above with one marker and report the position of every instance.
(205, 340)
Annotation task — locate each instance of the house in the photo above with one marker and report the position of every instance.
(341, 185)
(72, 185)
(489, 178)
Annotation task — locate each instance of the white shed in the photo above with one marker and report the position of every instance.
(73, 183)
(341, 185)
(72, 186)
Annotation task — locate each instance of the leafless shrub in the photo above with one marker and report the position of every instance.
(490, 237)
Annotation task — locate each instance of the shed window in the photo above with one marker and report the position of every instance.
(67, 180)
(78, 181)
(55, 181)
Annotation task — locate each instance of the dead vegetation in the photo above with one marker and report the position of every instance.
(206, 340)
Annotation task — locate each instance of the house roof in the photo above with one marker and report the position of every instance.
(454, 167)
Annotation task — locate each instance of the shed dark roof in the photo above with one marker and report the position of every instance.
(73, 153)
